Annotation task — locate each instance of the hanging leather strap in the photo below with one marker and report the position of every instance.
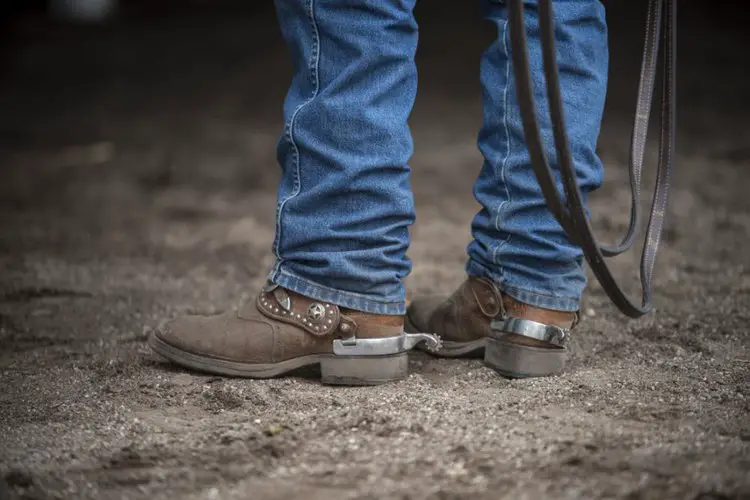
(570, 212)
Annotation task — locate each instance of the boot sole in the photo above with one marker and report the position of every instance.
(334, 370)
(509, 359)
(473, 349)
(514, 360)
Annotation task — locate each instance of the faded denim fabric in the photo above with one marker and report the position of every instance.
(344, 201)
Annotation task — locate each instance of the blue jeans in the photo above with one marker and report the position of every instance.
(344, 201)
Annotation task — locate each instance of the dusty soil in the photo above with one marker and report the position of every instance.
(138, 184)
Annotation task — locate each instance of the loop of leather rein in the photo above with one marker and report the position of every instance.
(571, 213)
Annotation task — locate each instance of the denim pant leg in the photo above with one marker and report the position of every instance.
(344, 201)
(517, 242)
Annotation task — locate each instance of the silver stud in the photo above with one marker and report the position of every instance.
(316, 311)
(330, 321)
(298, 316)
(317, 328)
(345, 327)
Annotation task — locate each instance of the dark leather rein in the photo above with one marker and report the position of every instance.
(570, 212)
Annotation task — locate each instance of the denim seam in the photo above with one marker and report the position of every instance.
(531, 297)
(504, 166)
(351, 300)
(541, 300)
(333, 290)
(289, 132)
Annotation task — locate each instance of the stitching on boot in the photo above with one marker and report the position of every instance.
(496, 299)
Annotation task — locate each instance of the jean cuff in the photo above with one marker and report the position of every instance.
(349, 300)
(523, 294)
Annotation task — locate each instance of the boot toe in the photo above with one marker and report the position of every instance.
(223, 337)
(182, 333)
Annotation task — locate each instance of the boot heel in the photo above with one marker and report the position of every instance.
(515, 360)
(364, 370)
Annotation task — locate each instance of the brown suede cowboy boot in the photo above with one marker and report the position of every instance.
(515, 339)
(281, 331)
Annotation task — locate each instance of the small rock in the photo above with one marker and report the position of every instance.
(182, 379)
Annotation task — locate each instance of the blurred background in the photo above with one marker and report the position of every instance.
(127, 103)
(151, 126)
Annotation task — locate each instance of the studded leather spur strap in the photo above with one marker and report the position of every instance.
(323, 319)
(570, 212)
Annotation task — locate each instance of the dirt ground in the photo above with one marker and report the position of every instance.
(137, 184)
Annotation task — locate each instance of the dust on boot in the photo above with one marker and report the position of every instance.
(281, 331)
(478, 320)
